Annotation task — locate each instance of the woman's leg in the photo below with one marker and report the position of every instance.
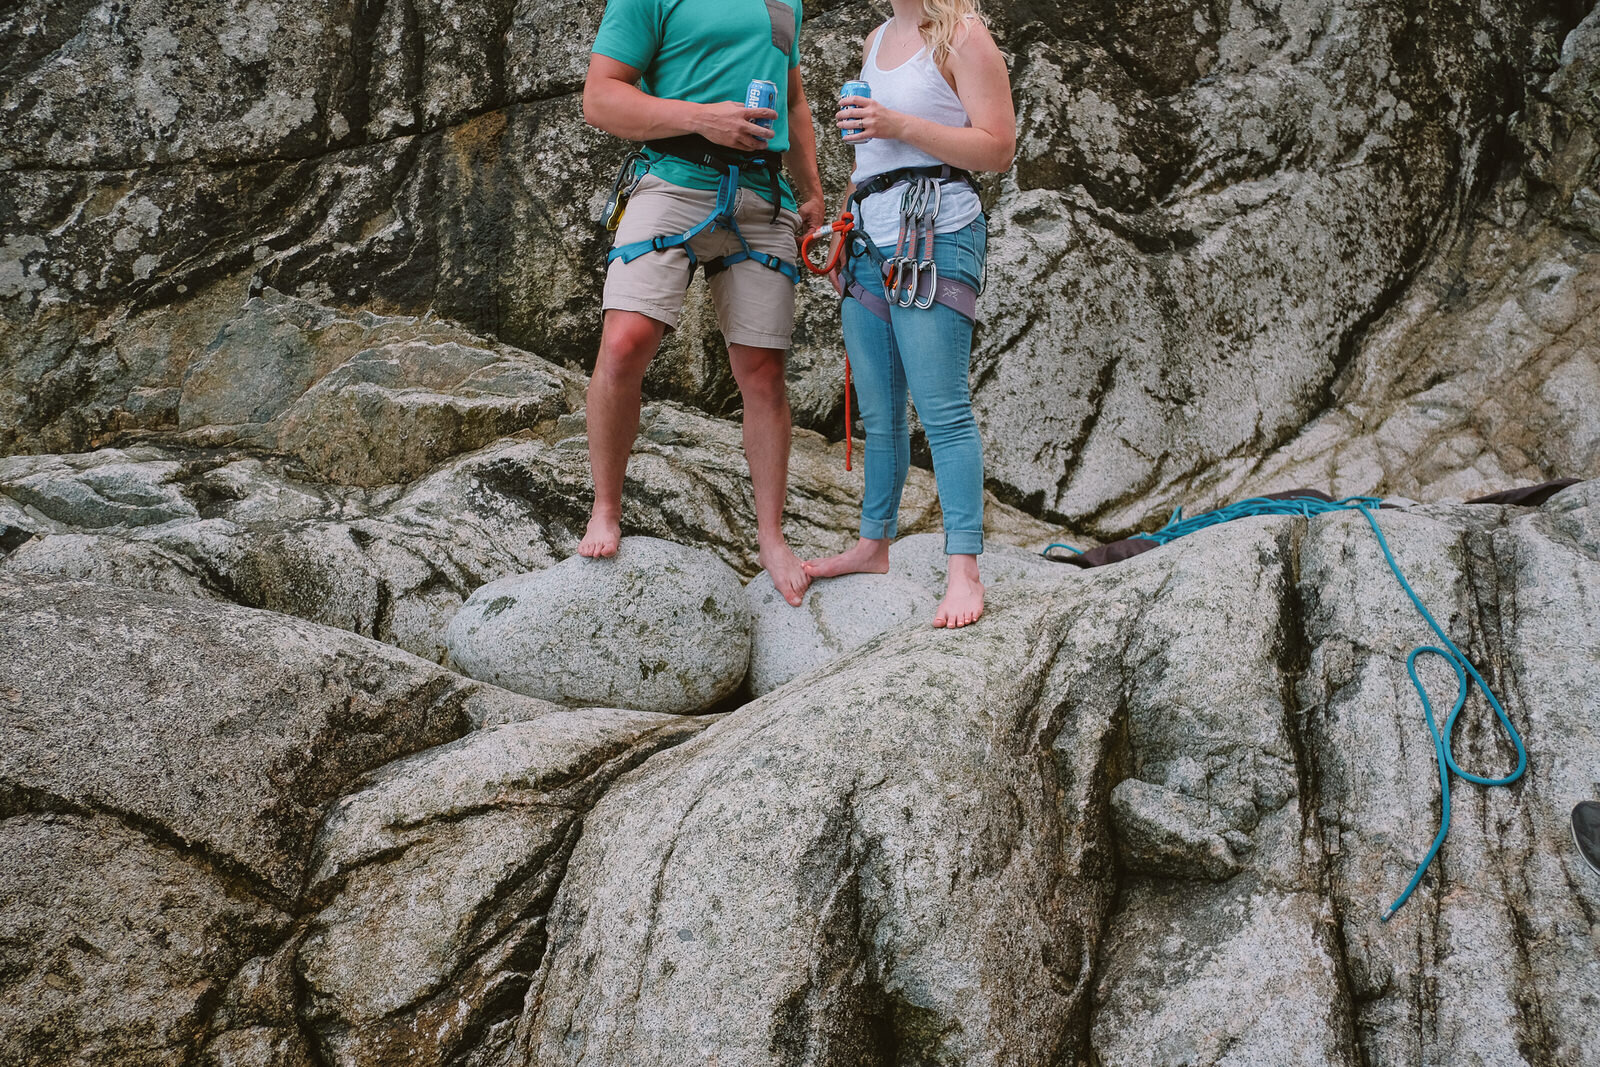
(880, 387)
(936, 350)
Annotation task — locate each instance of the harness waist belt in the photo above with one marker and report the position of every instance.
(692, 148)
(701, 152)
(889, 179)
(729, 163)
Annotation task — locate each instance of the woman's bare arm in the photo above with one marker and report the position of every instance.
(984, 88)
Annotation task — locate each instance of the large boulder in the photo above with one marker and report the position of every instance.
(438, 871)
(229, 832)
(657, 627)
(836, 616)
(164, 765)
(1148, 816)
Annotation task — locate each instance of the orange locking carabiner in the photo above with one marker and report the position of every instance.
(839, 232)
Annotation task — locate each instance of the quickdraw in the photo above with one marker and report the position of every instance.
(909, 280)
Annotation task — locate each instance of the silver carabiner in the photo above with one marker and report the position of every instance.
(933, 288)
(906, 295)
(891, 277)
(936, 194)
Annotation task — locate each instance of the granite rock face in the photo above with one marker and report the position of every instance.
(437, 873)
(836, 616)
(864, 870)
(216, 821)
(295, 300)
(657, 627)
(1126, 803)
(1238, 247)
(396, 562)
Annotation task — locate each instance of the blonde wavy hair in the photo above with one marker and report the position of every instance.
(941, 22)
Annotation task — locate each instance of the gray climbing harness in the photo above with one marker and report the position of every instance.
(911, 276)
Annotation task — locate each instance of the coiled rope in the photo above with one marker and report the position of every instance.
(1178, 526)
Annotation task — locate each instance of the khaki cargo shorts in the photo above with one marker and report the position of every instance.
(755, 305)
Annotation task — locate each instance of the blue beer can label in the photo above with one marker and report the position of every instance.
(856, 88)
(762, 94)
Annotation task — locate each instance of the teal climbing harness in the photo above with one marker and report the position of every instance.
(1307, 506)
(731, 165)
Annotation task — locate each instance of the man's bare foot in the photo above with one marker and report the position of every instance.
(785, 570)
(866, 556)
(963, 594)
(601, 538)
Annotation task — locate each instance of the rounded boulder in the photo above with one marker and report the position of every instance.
(657, 627)
(920, 558)
(837, 615)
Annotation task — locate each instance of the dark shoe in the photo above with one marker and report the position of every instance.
(1586, 832)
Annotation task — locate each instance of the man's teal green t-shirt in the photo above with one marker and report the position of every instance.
(706, 51)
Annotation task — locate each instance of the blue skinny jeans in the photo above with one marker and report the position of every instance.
(925, 353)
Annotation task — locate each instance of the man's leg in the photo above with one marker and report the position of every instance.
(628, 342)
(759, 372)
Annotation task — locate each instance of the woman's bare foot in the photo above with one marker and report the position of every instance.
(602, 537)
(963, 594)
(866, 556)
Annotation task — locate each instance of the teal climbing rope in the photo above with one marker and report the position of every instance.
(1177, 526)
(1442, 739)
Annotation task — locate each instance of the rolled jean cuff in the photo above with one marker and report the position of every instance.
(963, 542)
(881, 529)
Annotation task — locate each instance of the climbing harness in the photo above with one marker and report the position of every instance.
(910, 279)
(731, 164)
(1305, 504)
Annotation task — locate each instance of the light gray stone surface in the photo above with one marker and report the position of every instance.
(845, 868)
(1221, 730)
(1342, 243)
(210, 854)
(920, 558)
(440, 869)
(836, 616)
(396, 562)
(657, 627)
(113, 942)
(1157, 826)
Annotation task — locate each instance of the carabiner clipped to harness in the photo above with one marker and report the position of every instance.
(629, 175)
(838, 232)
(932, 272)
(904, 291)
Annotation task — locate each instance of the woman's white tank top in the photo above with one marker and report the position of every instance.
(917, 88)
